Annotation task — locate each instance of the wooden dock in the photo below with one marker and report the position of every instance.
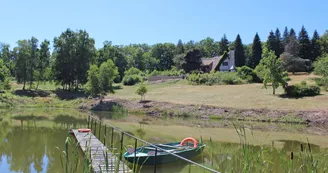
(92, 147)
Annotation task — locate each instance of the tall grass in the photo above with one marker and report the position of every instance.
(248, 158)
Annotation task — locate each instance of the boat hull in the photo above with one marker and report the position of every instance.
(162, 157)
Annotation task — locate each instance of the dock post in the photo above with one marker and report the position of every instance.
(105, 135)
(155, 160)
(99, 131)
(135, 155)
(112, 138)
(88, 121)
(91, 122)
(121, 150)
(95, 128)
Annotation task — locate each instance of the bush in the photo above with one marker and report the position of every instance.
(173, 72)
(322, 82)
(248, 74)
(214, 78)
(302, 90)
(132, 79)
(133, 71)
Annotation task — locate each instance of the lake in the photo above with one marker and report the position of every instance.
(32, 141)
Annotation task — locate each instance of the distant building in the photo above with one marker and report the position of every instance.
(209, 64)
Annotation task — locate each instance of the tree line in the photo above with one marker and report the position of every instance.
(74, 54)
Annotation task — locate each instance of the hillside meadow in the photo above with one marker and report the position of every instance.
(246, 96)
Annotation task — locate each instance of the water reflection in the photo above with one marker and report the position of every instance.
(28, 142)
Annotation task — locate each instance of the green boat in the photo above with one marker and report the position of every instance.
(146, 155)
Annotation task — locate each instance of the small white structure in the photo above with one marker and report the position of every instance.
(209, 64)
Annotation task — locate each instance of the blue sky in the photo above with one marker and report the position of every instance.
(154, 21)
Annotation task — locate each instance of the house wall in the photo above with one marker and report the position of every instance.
(230, 60)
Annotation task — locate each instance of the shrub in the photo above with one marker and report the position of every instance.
(214, 78)
(173, 72)
(248, 74)
(133, 71)
(132, 79)
(302, 89)
(322, 82)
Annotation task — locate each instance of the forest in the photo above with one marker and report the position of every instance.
(75, 63)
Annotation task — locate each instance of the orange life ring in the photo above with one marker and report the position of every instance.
(189, 139)
(84, 130)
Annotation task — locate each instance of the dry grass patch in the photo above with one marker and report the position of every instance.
(245, 96)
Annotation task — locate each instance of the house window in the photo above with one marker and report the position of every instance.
(225, 64)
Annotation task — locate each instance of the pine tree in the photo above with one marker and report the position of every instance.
(304, 44)
(292, 32)
(279, 46)
(316, 52)
(180, 48)
(239, 52)
(285, 37)
(256, 51)
(223, 45)
(271, 43)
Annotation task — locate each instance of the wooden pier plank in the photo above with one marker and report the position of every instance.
(90, 144)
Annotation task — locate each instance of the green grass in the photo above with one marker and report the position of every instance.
(247, 96)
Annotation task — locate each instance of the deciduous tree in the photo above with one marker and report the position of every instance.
(107, 73)
(271, 70)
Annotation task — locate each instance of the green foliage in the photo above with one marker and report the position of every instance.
(214, 78)
(4, 76)
(295, 64)
(322, 82)
(132, 79)
(274, 42)
(180, 48)
(305, 49)
(323, 42)
(239, 52)
(192, 60)
(208, 47)
(74, 52)
(173, 72)
(316, 52)
(279, 43)
(133, 76)
(223, 45)
(271, 70)
(93, 85)
(142, 91)
(321, 66)
(163, 53)
(256, 51)
(133, 71)
(302, 90)
(107, 73)
(43, 63)
(247, 74)
(22, 53)
(285, 37)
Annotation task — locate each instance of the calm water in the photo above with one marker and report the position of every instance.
(32, 139)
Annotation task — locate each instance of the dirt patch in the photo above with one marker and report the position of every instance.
(155, 108)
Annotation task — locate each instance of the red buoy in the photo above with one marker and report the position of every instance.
(84, 130)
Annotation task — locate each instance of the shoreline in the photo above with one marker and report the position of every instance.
(159, 109)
